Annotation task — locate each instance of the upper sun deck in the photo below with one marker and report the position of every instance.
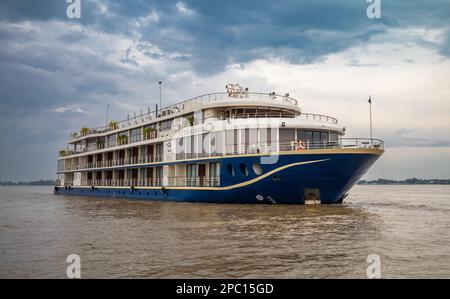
(240, 98)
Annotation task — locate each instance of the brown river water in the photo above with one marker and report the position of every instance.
(408, 227)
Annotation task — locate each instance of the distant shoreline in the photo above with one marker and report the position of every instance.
(31, 183)
(413, 181)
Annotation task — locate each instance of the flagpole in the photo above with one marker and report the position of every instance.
(107, 116)
(370, 112)
(160, 98)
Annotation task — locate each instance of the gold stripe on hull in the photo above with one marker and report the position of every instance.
(243, 184)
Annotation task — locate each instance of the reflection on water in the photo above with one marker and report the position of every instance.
(408, 226)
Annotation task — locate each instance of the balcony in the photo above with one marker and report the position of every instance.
(155, 182)
(65, 153)
(188, 105)
(124, 182)
(307, 116)
(242, 149)
(115, 162)
(183, 181)
(342, 143)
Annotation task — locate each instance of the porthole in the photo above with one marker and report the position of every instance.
(230, 169)
(257, 168)
(243, 169)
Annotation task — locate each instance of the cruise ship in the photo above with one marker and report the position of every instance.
(235, 146)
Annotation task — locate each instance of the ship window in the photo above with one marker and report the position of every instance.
(166, 125)
(334, 136)
(243, 169)
(266, 138)
(249, 138)
(217, 139)
(286, 137)
(136, 135)
(214, 169)
(316, 136)
(304, 135)
(111, 139)
(180, 148)
(92, 144)
(257, 168)
(324, 136)
(214, 173)
(187, 145)
(230, 169)
(198, 146)
(213, 144)
(205, 144)
(231, 141)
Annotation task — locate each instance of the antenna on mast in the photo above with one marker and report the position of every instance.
(370, 112)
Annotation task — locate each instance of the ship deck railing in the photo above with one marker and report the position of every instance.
(307, 116)
(192, 104)
(150, 182)
(355, 143)
(203, 181)
(240, 149)
(178, 181)
(115, 162)
(110, 144)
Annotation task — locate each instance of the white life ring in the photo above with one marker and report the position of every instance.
(300, 145)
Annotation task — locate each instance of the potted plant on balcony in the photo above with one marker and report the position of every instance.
(100, 145)
(84, 131)
(148, 132)
(122, 139)
(113, 125)
(62, 153)
(190, 120)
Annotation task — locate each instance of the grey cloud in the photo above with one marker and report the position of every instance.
(412, 137)
(219, 32)
(46, 66)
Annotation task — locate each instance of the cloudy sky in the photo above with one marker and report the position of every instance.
(58, 74)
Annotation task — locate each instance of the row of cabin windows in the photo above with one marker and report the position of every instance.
(166, 125)
(317, 136)
(213, 142)
(305, 135)
(244, 170)
(146, 151)
(146, 173)
(135, 136)
(192, 170)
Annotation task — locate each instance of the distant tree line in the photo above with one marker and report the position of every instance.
(412, 181)
(32, 183)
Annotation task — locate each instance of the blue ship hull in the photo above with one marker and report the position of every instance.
(332, 172)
